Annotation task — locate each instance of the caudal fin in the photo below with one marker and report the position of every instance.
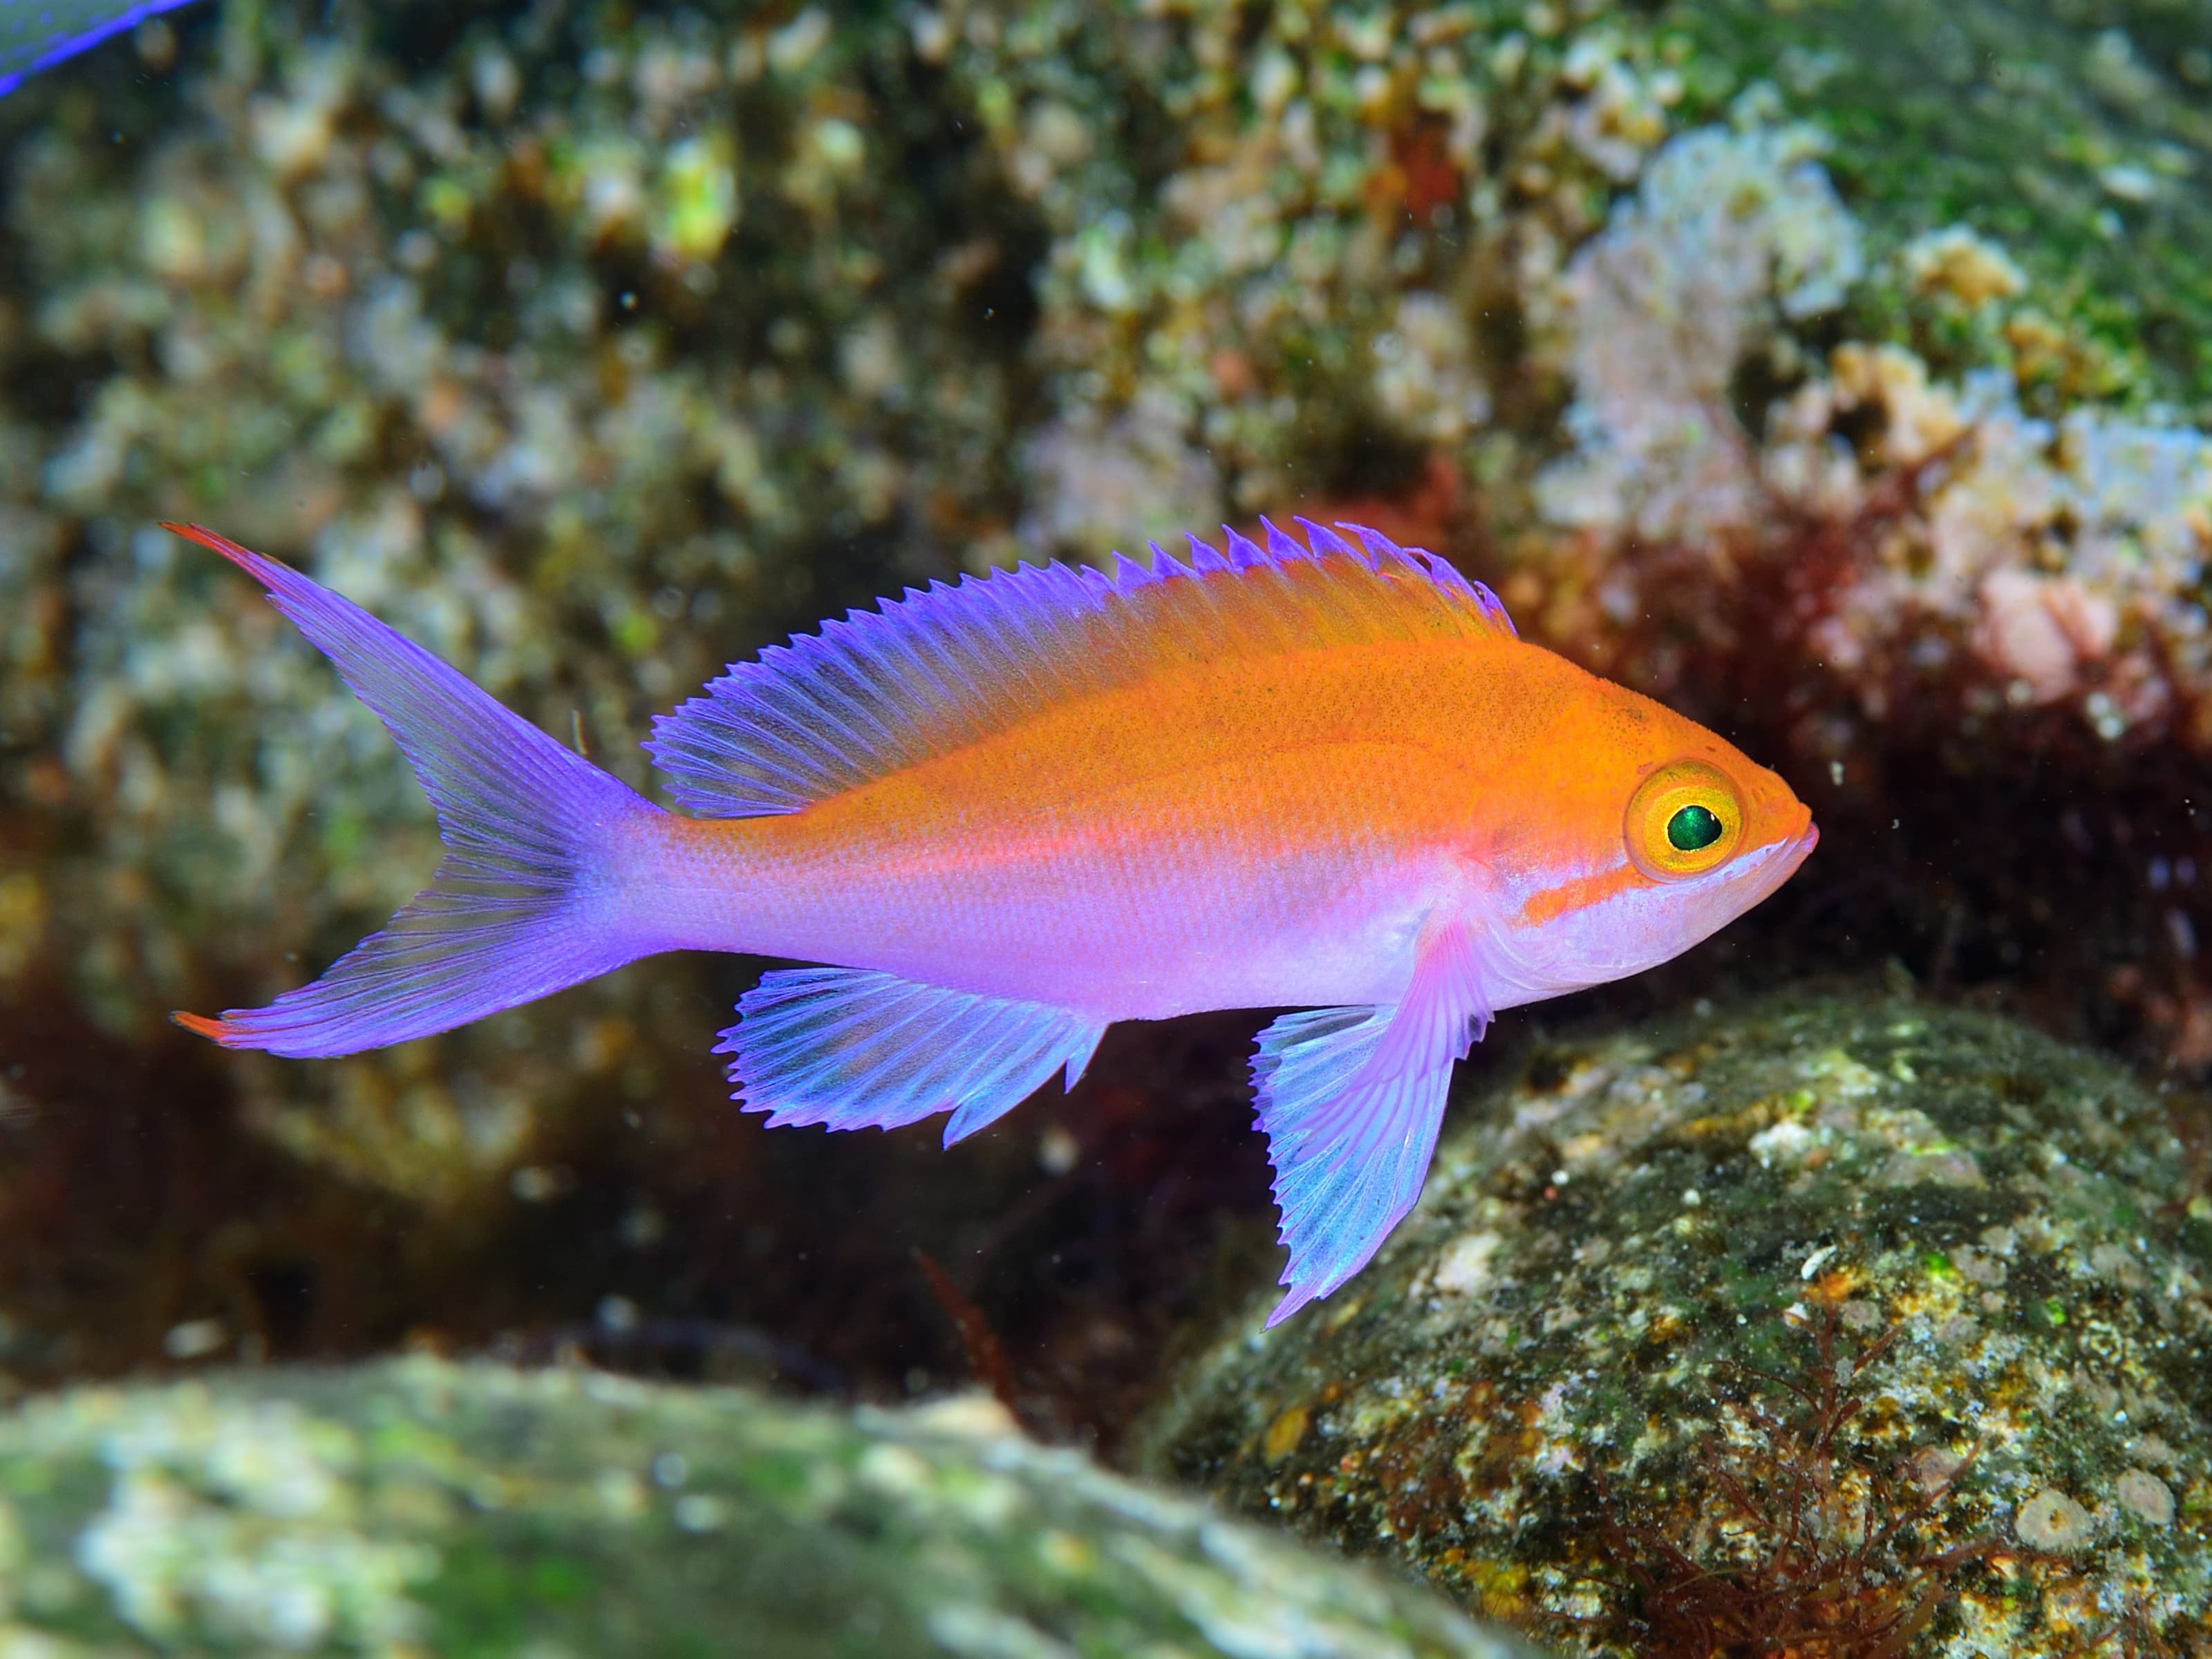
(525, 902)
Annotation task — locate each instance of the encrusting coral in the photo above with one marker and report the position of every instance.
(1727, 237)
(2029, 562)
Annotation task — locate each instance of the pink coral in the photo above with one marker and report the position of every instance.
(2042, 630)
(1946, 551)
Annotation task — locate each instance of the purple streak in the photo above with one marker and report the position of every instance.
(36, 34)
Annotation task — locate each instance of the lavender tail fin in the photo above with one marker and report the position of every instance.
(525, 901)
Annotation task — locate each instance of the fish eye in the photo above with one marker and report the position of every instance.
(1693, 829)
(1683, 820)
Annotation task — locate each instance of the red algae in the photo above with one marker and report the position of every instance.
(1806, 1551)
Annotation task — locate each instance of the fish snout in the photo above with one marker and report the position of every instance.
(1800, 845)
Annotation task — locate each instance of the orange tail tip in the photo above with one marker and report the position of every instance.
(202, 1025)
(244, 557)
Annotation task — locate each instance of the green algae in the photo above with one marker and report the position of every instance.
(422, 1508)
(2075, 135)
(1628, 1256)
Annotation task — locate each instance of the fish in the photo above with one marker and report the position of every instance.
(997, 816)
(36, 34)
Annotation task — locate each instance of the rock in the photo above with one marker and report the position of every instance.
(1846, 1312)
(426, 1508)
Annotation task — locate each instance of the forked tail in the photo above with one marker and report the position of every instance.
(527, 898)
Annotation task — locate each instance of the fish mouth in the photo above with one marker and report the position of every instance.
(1793, 851)
(1778, 861)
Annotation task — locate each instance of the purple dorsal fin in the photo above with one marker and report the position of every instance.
(1243, 552)
(1442, 571)
(880, 690)
(1281, 548)
(1166, 566)
(1205, 558)
(1323, 540)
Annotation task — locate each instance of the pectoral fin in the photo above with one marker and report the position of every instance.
(1350, 1099)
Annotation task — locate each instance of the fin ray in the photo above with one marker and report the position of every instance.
(520, 906)
(1350, 1100)
(852, 1048)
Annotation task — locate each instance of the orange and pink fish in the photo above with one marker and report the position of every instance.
(1007, 812)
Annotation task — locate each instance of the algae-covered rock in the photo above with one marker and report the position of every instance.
(423, 1508)
(1856, 1316)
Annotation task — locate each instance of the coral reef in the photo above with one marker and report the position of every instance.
(419, 1507)
(1850, 1317)
(1848, 392)
(1837, 373)
(2017, 562)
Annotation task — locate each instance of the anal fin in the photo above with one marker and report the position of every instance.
(854, 1048)
(1350, 1100)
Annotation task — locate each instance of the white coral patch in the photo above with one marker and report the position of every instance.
(1728, 234)
(1102, 482)
(1425, 376)
(2041, 630)
(1787, 1142)
(1464, 1265)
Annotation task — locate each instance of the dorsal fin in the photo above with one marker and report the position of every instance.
(883, 689)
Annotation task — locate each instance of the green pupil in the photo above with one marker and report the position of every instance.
(1692, 829)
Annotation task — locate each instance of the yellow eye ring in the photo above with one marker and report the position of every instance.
(1683, 820)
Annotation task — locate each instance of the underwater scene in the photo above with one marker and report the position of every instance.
(1480, 731)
